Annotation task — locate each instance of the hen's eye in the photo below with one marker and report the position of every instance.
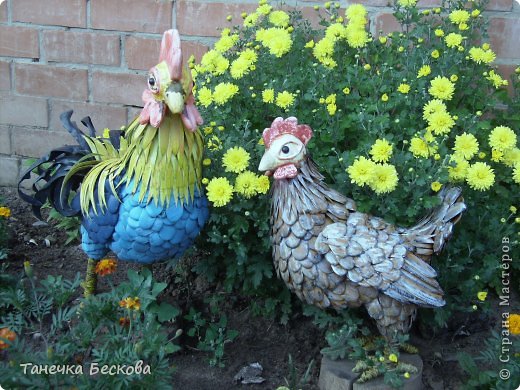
(285, 149)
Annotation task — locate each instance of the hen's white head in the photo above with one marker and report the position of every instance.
(285, 143)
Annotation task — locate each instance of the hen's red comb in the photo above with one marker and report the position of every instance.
(286, 126)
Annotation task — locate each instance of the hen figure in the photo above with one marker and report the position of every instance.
(330, 255)
(137, 191)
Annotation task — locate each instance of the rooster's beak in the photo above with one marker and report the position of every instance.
(174, 99)
(268, 162)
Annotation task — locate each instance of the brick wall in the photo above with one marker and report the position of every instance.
(92, 56)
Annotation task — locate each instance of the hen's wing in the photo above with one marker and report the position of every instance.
(368, 251)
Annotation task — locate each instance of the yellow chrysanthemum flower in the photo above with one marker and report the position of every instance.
(480, 55)
(441, 88)
(440, 122)
(335, 31)
(276, 39)
(384, 97)
(384, 178)
(436, 186)
(419, 147)
(357, 37)
(214, 63)
(219, 191)
(246, 184)
(424, 71)
(480, 176)
(268, 95)
(251, 19)
(239, 68)
(511, 157)
(236, 159)
(361, 171)
(433, 106)
(466, 145)
(5, 212)
(226, 41)
(264, 9)
(459, 171)
(355, 11)
(381, 151)
(459, 16)
(324, 48)
(279, 18)
(205, 96)
(502, 138)
(439, 32)
(496, 79)
(516, 174)
(403, 88)
(435, 54)
(285, 99)
(496, 155)
(262, 184)
(223, 92)
(453, 40)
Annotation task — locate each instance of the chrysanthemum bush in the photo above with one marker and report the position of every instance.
(396, 117)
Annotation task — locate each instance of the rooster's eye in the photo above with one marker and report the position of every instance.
(152, 82)
(285, 149)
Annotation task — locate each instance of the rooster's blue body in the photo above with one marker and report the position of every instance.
(137, 190)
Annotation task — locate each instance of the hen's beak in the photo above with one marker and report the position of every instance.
(174, 99)
(267, 163)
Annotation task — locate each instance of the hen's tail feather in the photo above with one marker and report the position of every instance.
(52, 169)
(437, 227)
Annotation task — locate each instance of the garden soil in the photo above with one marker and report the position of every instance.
(260, 340)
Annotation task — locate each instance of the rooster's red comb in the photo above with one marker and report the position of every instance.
(286, 126)
(171, 53)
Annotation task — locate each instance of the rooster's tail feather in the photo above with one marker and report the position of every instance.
(432, 233)
(53, 182)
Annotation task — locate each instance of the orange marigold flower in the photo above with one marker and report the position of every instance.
(124, 321)
(7, 334)
(131, 303)
(106, 267)
(514, 324)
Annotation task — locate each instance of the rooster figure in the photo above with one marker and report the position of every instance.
(330, 255)
(138, 191)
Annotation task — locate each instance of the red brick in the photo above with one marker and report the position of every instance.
(23, 111)
(131, 15)
(80, 47)
(19, 42)
(5, 140)
(386, 23)
(204, 19)
(3, 12)
(142, 53)
(36, 143)
(5, 76)
(500, 5)
(503, 34)
(190, 48)
(102, 115)
(123, 88)
(51, 81)
(71, 13)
